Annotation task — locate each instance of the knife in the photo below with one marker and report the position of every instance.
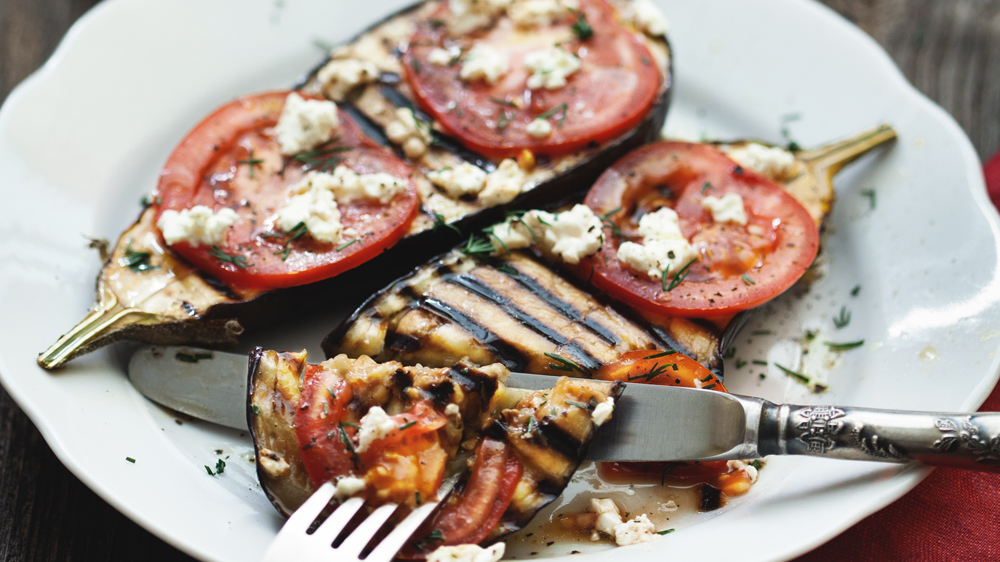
(650, 422)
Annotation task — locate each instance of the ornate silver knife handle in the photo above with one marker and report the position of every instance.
(970, 441)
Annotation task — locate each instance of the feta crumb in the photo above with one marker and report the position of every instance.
(441, 57)
(609, 522)
(483, 61)
(349, 186)
(375, 425)
(410, 133)
(648, 18)
(770, 161)
(305, 124)
(727, 209)
(459, 180)
(467, 553)
(663, 245)
(451, 410)
(749, 469)
(348, 486)
(503, 184)
(536, 13)
(196, 226)
(550, 68)
(571, 235)
(470, 15)
(539, 128)
(636, 531)
(311, 202)
(273, 464)
(602, 412)
(339, 77)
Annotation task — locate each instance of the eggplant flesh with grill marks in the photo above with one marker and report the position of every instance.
(516, 311)
(546, 431)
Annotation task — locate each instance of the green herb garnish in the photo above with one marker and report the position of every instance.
(191, 357)
(251, 162)
(346, 244)
(439, 222)
(802, 378)
(429, 540)
(666, 532)
(844, 319)
(855, 290)
(477, 247)
(136, 261)
(238, 261)
(740, 363)
(504, 120)
(408, 425)
(565, 365)
(661, 354)
(844, 346)
(256, 409)
(581, 28)
(748, 281)
(557, 109)
(870, 194)
(680, 275)
(504, 102)
(580, 405)
(130, 459)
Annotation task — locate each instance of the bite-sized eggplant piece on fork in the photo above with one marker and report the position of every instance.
(518, 135)
(390, 433)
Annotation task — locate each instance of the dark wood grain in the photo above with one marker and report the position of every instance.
(949, 49)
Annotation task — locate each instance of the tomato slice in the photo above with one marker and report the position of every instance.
(230, 161)
(406, 460)
(470, 516)
(612, 92)
(663, 368)
(740, 267)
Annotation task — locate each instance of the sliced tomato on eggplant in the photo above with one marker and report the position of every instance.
(208, 296)
(310, 425)
(610, 94)
(738, 266)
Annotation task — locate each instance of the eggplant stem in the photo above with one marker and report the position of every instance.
(107, 314)
(833, 157)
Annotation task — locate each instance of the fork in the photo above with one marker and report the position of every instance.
(294, 542)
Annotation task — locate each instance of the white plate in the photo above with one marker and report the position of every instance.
(84, 138)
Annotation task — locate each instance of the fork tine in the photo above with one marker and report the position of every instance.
(390, 545)
(361, 536)
(306, 513)
(335, 523)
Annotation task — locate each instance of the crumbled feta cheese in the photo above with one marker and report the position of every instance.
(539, 128)
(663, 246)
(375, 425)
(636, 531)
(609, 522)
(441, 57)
(196, 226)
(503, 184)
(348, 186)
(748, 468)
(459, 180)
(727, 209)
(305, 124)
(470, 15)
(348, 486)
(536, 13)
(273, 464)
(410, 133)
(571, 235)
(451, 410)
(311, 202)
(770, 161)
(467, 553)
(550, 68)
(485, 62)
(339, 77)
(647, 17)
(602, 412)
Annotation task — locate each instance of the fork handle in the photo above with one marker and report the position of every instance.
(969, 441)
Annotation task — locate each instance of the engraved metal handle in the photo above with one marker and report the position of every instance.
(970, 441)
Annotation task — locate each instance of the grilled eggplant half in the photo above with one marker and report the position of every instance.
(390, 433)
(147, 292)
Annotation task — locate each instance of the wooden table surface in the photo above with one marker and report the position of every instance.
(950, 49)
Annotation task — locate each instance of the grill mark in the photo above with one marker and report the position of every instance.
(478, 288)
(402, 379)
(506, 353)
(568, 311)
(472, 380)
(558, 439)
(401, 343)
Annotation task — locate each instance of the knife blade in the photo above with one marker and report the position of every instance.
(212, 385)
(650, 422)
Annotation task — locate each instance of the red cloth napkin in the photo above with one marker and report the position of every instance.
(953, 515)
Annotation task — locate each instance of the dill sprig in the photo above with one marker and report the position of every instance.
(429, 540)
(238, 261)
(563, 364)
(135, 260)
(680, 275)
(504, 120)
(581, 28)
(844, 319)
(563, 108)
(439, 222)
(251, 162)
(477, 247)
(748, 281)
(799, 376)
(844, 346)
